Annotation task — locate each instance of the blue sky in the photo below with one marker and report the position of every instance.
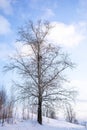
(70, 19)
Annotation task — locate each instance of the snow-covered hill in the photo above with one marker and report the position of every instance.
(47, 125)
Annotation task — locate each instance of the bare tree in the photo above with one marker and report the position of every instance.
(42, 67)
(23, 110)
(3, 99)
(28, 109)
(52, 114)
(70, 114)
(9, 109)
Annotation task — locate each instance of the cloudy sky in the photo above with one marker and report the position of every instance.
(70, 19)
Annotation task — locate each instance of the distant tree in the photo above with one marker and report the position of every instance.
(23, 110)
(49, 111)
(9, 109)
(42, 67)
(52, 114)
(28, 109)
(10, 105)
(3, 99)
(70, 114)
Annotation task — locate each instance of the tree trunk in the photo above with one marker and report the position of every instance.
(39, 118)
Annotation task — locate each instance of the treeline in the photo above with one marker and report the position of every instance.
(6, 107)
(9, 111)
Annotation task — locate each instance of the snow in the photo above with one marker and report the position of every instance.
(48, 124)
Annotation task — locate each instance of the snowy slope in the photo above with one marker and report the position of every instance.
(47, 125)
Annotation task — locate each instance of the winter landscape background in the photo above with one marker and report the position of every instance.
(69, 19)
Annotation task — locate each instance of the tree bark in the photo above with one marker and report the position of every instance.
(39, 117)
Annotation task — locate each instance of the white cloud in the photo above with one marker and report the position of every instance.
(48, 13)
(5, 26)
(5, 50)
(22, 49)
(5, 5)
(68, 35)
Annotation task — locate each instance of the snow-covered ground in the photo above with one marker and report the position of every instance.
(48, 124)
